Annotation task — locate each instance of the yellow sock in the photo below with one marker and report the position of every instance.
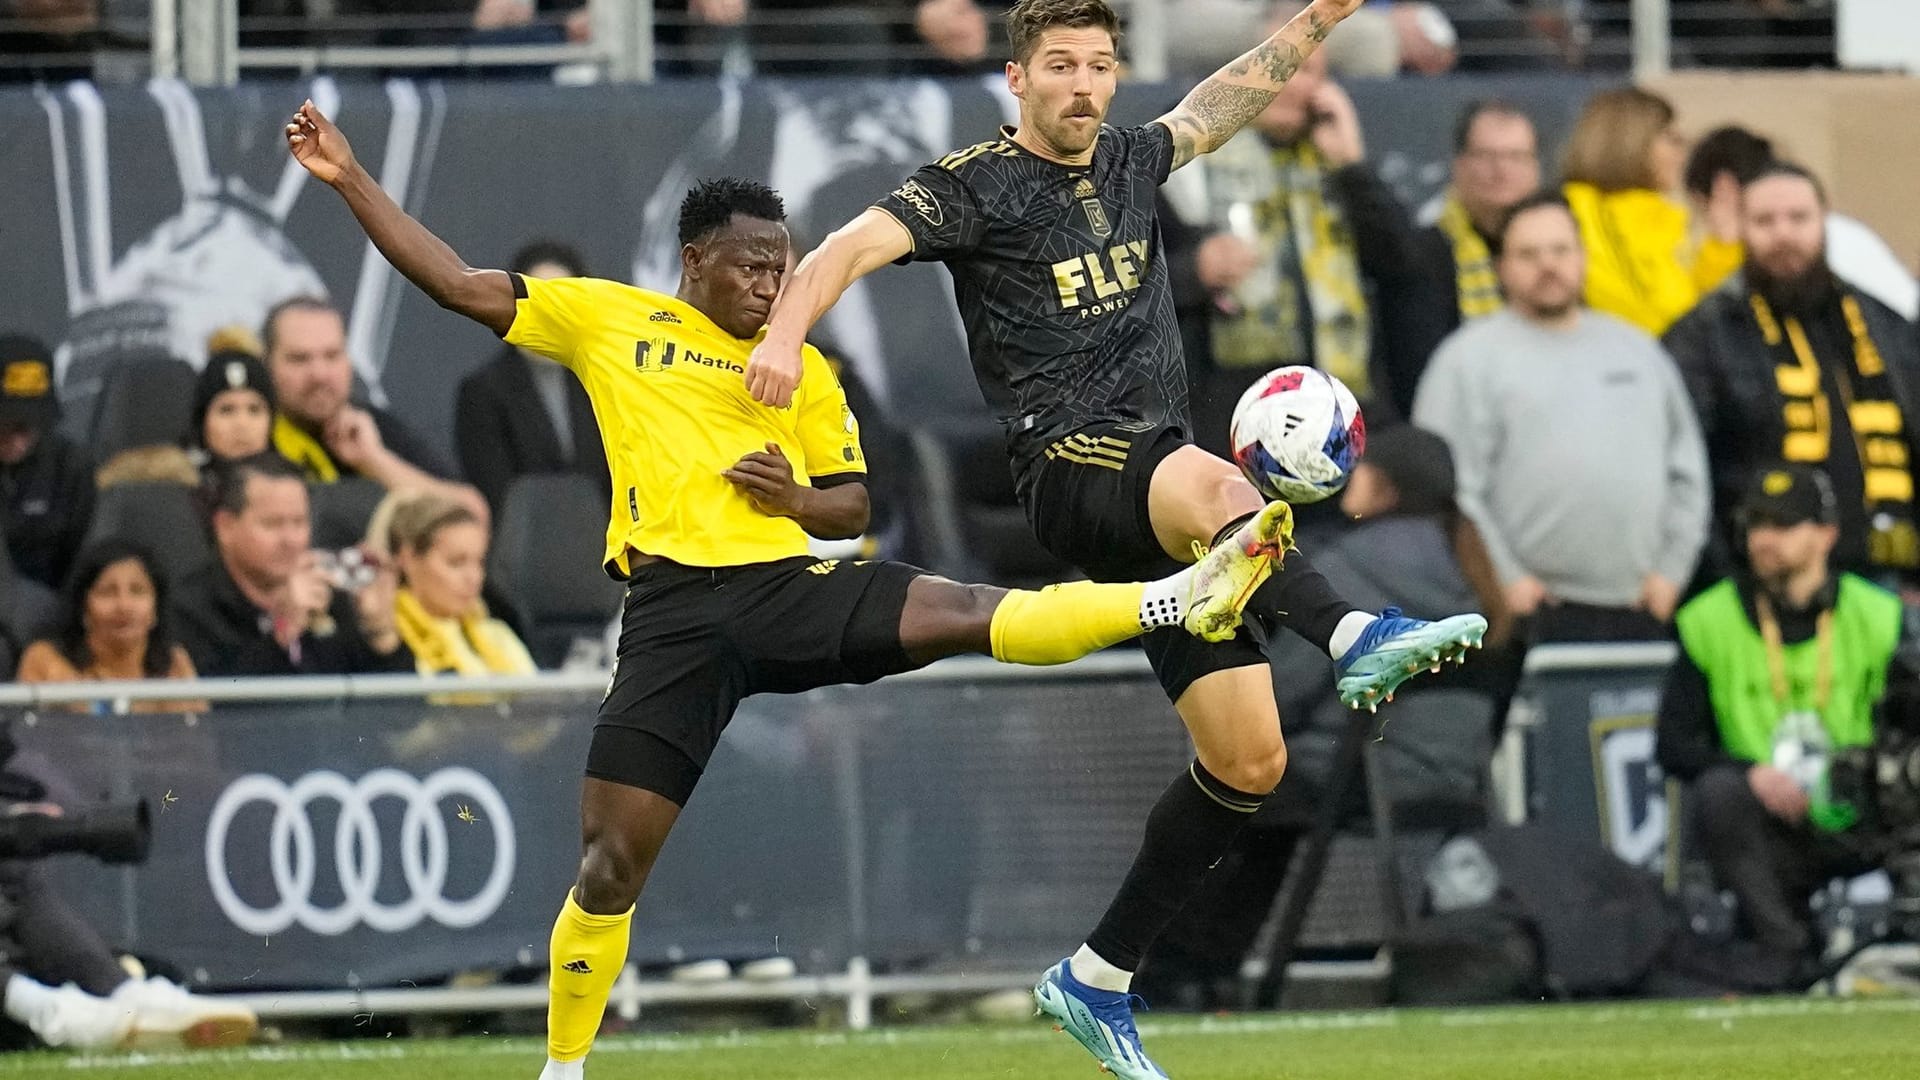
(587, 953)
(1065, 622)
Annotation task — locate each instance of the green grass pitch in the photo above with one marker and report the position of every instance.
(1749, 1040)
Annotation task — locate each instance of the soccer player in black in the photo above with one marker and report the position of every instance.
(1050, 235)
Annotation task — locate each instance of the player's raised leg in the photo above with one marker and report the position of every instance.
(622, 828)
(1065, 622)
(1196, 497)
(1240, 758)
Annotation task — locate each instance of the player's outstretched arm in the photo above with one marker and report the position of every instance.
(1217, 109)
(848, 254)
(485, 296)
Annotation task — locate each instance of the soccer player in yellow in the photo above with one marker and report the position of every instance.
(714, 496)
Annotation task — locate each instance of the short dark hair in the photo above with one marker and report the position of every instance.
(70, 636)
(271, 323)
(1778, 168)
(712, 203)
(536, 252)
(1730, 149)
(1463, 127)
(227, 489)
(1539, 200)
(1029, 19)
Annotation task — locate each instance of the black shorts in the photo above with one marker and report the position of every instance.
(1086, 499)
(695, 641)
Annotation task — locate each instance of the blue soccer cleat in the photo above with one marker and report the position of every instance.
(1102, 1020)
(1394, 648)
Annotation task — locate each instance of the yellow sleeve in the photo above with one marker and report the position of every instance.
(829, 435)
(551, 317)
(1716, 260)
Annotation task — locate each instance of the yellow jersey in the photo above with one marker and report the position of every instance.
(669, 390)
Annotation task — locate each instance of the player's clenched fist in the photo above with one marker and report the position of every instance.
(317, 145)
(772, 373)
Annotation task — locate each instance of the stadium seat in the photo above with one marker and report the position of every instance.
(974, 528)
(341, 510)
(163, 517)
(548, 546)
(144, 402)
(30, 609)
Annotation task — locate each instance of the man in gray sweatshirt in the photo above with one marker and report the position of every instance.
(1578, 453)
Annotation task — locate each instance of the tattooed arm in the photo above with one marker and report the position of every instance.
(1217, 109)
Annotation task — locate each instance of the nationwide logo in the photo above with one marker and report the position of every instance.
(665, 317)
(916, 195)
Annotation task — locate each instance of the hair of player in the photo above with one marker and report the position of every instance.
(537, 252)
(1729, 149)
(270, 326)
(712, 203)
(1028, 20)
(1539, 200)
(228, 490)
(1776, 168)
(1469, 116)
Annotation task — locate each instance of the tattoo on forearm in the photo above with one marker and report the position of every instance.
(1219, 107)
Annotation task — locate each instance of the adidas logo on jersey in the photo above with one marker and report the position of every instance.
(1084, 189)
(664, 316)
(578, 967)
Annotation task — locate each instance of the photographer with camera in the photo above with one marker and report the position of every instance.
(269, 604)
(1782, 669)
(58, 979)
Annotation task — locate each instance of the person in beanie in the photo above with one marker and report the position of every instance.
(1780, 666)
(46, 479)
(233, 409)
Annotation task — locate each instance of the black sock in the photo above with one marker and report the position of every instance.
(1188, 831)
(1297, 596)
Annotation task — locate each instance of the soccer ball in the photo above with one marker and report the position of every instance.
(1297, 434)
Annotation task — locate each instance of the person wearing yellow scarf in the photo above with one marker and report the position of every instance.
(440, 550)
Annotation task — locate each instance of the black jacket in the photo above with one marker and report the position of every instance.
(227, 636)
(501, 429)
(1728, 369)
(46, 504)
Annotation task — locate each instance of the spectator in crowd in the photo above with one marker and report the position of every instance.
(54, 38)
(1496, 163)
(1269, 240)
(115, 626)
(233, 413)
(958, 34)
(1779, 666)
(268, 605)
(1790, 362)
(1623, 172)
(440, 552)
(1406, 548)
(499, 434)
(1726, 159)
(320, 430)
(46, 479)
(1579, 456)
(1493, 35)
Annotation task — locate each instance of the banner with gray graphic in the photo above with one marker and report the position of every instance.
(141, 220)
(1592, 766)
(918, 822)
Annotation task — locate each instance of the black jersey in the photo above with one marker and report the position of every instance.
(1060, 278)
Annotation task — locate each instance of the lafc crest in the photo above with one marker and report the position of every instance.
(1096, 214)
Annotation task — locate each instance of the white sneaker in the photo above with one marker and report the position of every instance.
(71, 1017)
(564, 1070)
(165, 1014)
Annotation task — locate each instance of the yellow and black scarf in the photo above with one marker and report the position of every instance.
(1474, 278)
(307, 453)
(1292, 224)
(473, 644)
(1879, 431)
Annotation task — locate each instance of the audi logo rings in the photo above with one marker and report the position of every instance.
(293, 853)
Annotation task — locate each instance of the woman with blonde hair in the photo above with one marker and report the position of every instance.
(1646, 262)
(439, 549)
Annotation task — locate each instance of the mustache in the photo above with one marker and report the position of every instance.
(1082, 108)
